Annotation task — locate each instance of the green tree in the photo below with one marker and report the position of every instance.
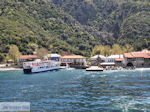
(107, 50)
(42, 52)
(96, 50)
(33, 46)
(116, 49)
(1, 57)
(103, 50)
(14, 53)
(127, 48)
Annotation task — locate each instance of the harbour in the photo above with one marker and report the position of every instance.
(54, 61)
(74, 55)
(78, 90)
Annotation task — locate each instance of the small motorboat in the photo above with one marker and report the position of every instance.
(94, 68)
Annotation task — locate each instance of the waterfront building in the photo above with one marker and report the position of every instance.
(113, 60)
(119, 61)
(137, 59)
(26, 58)
(54, 57)
(75, 61)
(97, 59)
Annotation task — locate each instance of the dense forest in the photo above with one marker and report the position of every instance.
(75, 26)
(34, 24)
(117, 21)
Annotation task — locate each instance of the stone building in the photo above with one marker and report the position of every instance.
(113, 60)
(137, 59)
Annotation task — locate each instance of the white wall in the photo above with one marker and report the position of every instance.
(73, 60)
(109, 60)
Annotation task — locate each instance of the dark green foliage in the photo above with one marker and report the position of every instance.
(73, 25)
(23, 22)
(136, 30)
(117, 21)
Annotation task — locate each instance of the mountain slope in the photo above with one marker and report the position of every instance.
(73, 25)
(26, 23)
(112, 19)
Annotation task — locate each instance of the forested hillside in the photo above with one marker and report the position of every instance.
(122, 21)
(34, 24)
(73, 25)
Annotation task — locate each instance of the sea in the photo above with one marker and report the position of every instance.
(78, 90)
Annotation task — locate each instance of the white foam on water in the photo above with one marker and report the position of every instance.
(125, 103)
(142, 69)
(79, 77)
(146, 101)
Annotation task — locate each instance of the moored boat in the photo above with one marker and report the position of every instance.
(40, 66)
(94, 68)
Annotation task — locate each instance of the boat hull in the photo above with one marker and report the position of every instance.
(29, 71)
(40, 66)
(94, 70)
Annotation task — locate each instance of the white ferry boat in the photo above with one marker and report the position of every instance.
(40, 66)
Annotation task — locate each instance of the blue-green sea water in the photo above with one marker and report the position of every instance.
(78, 90)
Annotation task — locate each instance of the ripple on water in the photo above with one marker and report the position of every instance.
(78, 90)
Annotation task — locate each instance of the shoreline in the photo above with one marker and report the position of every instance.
(142, 68)
(14, 68)
(10, 69)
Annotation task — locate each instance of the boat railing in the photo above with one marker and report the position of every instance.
(34, 63)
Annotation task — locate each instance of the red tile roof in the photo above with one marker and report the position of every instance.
(148, 56)
(119, 59)
(72, 57)
(137, 55)
(128, 55)
(28, 57)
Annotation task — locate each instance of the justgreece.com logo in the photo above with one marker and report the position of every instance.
(14, 106)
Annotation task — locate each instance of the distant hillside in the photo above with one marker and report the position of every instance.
(73, 25)
(122, 21)
(27, 24)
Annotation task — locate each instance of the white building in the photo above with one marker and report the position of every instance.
(54, 57)
(98, 56)
(112, 58)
